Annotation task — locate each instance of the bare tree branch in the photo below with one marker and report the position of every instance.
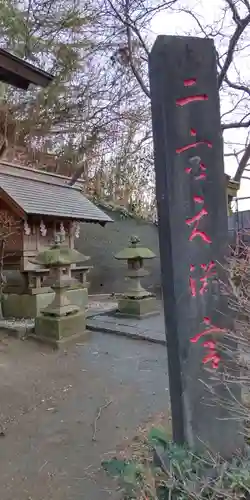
(227, 126)
(91, 140)
(241, 26)
(134, 70)
(237, 86)
(129, 27)
(242, 164)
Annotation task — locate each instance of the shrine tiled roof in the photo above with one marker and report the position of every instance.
(38, 193)
(20, 73)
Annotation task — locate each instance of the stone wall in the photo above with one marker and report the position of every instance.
(102, 243)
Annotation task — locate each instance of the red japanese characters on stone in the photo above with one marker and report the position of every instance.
(200, 285)
(195, 222)
(212, 356)
(200, 275)
(183, 101)
(197, 168)
(210, 328)
(194, 144)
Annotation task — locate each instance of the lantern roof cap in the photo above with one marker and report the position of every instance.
(59, 255)
(134, 251)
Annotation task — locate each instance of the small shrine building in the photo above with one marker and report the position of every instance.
(14, 71)
(34, 206)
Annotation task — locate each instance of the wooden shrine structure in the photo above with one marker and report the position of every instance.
(34, 206)
(21, 74)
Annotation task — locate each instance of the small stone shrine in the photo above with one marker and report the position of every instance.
(136, 301)
(61, 319)
(34, 206)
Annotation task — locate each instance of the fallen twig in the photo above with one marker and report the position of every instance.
(2, 431)
(44, 465)
(98, 415)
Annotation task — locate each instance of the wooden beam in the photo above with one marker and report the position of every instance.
(21, 74)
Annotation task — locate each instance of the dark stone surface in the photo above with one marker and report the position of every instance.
(108, 274)
(150, 328)
(174, 60)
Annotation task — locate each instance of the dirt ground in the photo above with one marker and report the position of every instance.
(64, 411)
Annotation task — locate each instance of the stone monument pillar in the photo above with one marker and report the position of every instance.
(193, 235)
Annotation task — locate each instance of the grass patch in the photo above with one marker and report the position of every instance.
(152, 467)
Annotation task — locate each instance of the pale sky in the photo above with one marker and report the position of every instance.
(209, 11)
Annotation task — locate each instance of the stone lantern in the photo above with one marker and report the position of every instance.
(136, 301)
(232, 190)
(61, 319)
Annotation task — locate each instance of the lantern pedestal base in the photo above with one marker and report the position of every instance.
(55, 330)
(28, 305)
(137, 308)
